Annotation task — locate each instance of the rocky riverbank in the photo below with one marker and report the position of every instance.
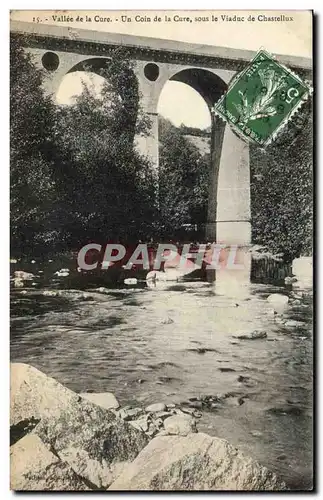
(61, 440)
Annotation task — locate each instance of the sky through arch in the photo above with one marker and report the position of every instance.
(180, 103)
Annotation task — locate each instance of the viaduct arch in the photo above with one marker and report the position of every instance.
(61, 50)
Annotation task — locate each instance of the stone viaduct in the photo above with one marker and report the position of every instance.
(208, 69)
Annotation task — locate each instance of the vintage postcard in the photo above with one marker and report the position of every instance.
(161, 168)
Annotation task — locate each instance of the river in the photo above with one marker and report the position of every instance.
(175, 345)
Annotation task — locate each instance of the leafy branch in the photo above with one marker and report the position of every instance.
(261, 106)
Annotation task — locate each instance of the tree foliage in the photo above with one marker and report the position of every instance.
(31, 121)
(282, 190)
(185, 130)
(183, 180)
(75, 173)
(104, 182)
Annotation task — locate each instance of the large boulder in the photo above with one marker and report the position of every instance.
(94, 443)
(278, 302)
(34, 395)
(302, 268)
(193, 463)
(33, 467)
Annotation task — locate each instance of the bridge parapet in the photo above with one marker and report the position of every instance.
(159, 50)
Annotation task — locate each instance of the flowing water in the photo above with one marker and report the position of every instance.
(174, 346)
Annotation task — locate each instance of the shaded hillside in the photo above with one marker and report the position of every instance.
(183, 180)
(200, 142)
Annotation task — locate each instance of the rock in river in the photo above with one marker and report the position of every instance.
(290, 279)
(278, 300)
(50, 293)
(156, 407)
(130, 413)
(256, 334)
(23, 275)
(291, 323)
(167, 321)
(179, 425)
(106, 400)
(18, 283)
(193, 463)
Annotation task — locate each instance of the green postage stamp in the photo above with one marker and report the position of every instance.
(261, 100)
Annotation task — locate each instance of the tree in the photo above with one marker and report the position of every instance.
(106, 186)
(75, 172)
(31, 182)
(282, 189)
(183, 180)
